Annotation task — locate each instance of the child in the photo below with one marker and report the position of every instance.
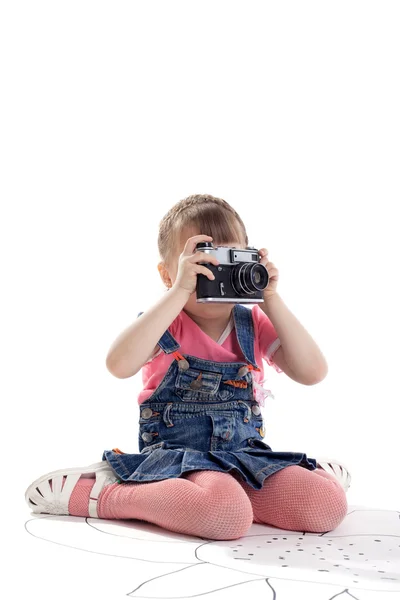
(203, 468)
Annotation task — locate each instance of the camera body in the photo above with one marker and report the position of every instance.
(239, 277)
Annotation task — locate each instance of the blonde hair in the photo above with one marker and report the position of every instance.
(209, 215)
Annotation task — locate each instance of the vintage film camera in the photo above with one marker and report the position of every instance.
(239, 277)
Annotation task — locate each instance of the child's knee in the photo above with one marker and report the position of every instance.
(334, 507)
(229, 522)
(229, 511)
(299, 499)
(328, 504)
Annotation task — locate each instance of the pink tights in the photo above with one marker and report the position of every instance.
(222, 506)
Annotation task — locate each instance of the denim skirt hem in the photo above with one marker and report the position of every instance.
(157, 462)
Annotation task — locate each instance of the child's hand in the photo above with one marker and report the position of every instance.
(273, 273)
(188, 268)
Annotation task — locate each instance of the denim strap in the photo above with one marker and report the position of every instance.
(167, 342)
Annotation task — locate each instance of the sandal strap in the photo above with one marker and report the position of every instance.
(102, 478)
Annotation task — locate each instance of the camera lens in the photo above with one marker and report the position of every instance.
(203, 245)
(248, 278)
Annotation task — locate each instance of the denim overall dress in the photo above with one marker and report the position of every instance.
(203, 415)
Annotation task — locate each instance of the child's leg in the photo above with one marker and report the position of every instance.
(209, 504)
(298, 499)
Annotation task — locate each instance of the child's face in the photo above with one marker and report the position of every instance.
(198, 308)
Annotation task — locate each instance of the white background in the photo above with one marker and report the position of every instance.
(112, 112)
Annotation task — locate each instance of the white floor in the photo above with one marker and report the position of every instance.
(67, 557)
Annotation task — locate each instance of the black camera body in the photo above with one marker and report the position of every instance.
(239, 277)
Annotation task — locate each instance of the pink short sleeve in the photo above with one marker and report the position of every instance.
(266, 336)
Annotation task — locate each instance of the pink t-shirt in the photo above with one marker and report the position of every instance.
(194, 341)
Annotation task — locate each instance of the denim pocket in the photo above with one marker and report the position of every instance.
(194, 380)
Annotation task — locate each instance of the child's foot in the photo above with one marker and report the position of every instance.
(70, 491)
(336, 468)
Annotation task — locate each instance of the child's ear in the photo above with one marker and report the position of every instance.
(162, 269)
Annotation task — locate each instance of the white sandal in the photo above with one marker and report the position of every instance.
(336, 468)
(42, 499)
